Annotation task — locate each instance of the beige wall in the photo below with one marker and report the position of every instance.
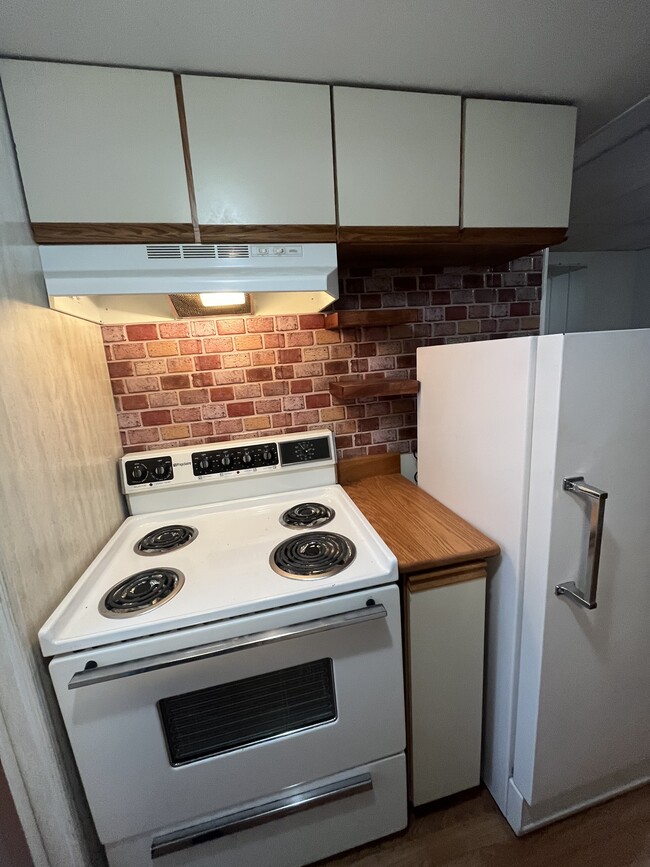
(59, 502)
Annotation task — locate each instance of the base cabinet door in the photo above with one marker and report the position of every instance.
(445, 649)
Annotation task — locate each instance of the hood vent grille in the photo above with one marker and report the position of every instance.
(197, 251)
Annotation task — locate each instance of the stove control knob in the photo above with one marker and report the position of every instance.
(246, 458)
(267, 456)
(160, 471)
(225, 461)
(204, 463)
(138, 472)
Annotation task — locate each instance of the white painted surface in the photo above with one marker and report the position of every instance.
(590, 54)
(122, 715)
(291, 842)
(96, 144)
(584, 687)
(598, 291)
(517, 163)
(261, 151)
(397, 157)
(473, 451)
(446, 688)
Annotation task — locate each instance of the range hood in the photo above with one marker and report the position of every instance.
(118, 283)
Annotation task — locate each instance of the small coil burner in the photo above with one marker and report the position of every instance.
(307, 515)
(139, 593)
(165, 539)
(312, 555)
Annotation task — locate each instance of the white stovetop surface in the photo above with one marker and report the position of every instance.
(226, 569)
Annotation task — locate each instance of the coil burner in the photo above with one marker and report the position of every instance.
(312, 555)
(141, 592)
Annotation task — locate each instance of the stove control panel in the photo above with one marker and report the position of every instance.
(234, 459)
(148, 470)
(298, 451)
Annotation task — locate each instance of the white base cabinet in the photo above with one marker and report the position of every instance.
(445, 632)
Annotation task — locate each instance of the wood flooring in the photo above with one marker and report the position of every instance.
(469, 831)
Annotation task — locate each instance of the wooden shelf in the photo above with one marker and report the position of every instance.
(373, 388)
(366, 318)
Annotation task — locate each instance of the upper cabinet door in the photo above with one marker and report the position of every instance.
(517, 164)
(97, 144)
(397, 157)
(261, 151)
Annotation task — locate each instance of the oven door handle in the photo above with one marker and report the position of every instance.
(102, 674)
(285, 805)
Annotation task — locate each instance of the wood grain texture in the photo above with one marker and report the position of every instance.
(113, 233)
(267, 234)
(419, 581)
(351, 470)
(469, 831)
(368, 318)
(397, 234)
(373, 388)
(419, 530)
(187, 159)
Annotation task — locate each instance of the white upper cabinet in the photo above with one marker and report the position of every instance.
(517, 164)
(97, 144)
(261, 151)
(397, 157)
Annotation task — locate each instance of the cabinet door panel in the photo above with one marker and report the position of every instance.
(397, 157)
(261, 151)
(517, 164)
(97, 144)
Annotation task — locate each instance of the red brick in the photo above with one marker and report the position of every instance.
(289, 356)
(129, 350)
(266, 406)
(142, 436)
(218, 344)
(292, 402)
(259, 374)
(175, 432)
(223, 393)
(257, 422)
(187, 413)
(282, 419)
(286, 323)
(249, 390)
(120, 368)
(193, 396)
(214, 411)
(508, 325)
(163, 398)
(135, 401)
(334, 368)
(201, 380)
(249, 341)
(309, 368)
(300, 386)
(363, 350)
(241, 409)
(521, 308)
(257, 324)
(307, 416)
(128, 419)
(177, 380)
(142, 383)
(316, 401)
(312, 321)
(150, 368)
(231, 326)
(162, 347)
(300, 338)
(180, 365)
(236, 359)
(156, 417)
(208, 362)
(455, 313)
(202, 429)
(228, 427)
(204, 327)
(142, 332)
(173, 329)
(227, 377)
(263, 356)
(273, 341)
(190, 347)
(272, 389)
(284, 371)
(113, 333)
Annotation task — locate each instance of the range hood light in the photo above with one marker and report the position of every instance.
(222, 299)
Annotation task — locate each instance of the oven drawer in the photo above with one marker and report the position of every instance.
(173, 727)
(354, 807)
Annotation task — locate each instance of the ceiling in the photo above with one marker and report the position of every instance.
(591, 53)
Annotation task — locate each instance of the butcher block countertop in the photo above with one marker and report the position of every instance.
(421, 532)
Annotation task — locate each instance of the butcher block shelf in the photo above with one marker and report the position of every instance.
(367, 318)
(373, 388)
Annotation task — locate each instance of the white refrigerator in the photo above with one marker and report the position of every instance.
(543, 443)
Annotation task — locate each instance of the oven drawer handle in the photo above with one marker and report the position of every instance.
(275, 809)
(102, 674)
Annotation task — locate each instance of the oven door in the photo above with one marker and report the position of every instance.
(170, 727)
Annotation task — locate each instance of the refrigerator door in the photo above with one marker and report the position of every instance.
(583, 699)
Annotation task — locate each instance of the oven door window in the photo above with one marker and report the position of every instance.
(208, 722)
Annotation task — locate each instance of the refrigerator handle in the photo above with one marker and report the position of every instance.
(577, 485)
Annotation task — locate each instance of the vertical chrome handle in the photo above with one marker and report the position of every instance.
(577, 485)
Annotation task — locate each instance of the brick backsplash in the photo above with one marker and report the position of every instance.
(212, 379)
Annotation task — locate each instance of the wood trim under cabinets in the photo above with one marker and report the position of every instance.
(291, 233)
(187, 159)
(113, 233)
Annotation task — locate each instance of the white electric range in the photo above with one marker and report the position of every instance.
(229, 667)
